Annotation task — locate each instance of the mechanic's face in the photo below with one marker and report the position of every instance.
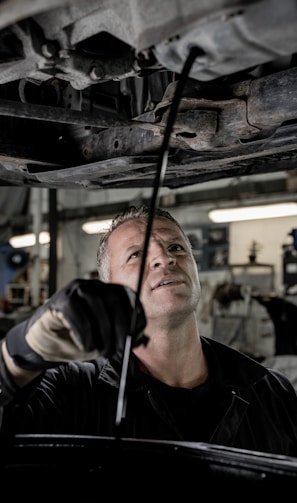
(170, 281)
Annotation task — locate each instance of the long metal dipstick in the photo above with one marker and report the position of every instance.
(160, 174)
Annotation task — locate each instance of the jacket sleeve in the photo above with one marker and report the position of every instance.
(8, 389)
(10, 392)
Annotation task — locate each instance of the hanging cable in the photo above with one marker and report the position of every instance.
(160, 175)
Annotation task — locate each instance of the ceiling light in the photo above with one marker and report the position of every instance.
(25, 240)
(253, 212)
(96, 226)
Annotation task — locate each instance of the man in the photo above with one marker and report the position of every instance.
(180, 385)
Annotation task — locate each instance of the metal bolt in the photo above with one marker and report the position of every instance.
(48, 50)
(96, 73)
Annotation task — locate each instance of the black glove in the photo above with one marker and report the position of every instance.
(82, 320)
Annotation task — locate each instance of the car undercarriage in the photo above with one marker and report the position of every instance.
(86, 88)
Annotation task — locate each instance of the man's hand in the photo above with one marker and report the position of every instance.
(84, 319)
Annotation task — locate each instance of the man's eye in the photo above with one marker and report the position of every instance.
(135, 254)
(175, 248)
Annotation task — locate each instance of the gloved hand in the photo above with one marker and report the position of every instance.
(82, 320)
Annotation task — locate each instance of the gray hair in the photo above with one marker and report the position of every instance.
(130, 213)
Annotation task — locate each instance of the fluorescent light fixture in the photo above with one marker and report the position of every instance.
(25, 240)
(253, 212)
(96, 226)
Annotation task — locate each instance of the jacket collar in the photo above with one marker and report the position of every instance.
(229, 366)
(232, 367)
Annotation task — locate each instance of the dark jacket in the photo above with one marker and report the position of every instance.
(258, 409)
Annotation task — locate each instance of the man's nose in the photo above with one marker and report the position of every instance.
(162, 257)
